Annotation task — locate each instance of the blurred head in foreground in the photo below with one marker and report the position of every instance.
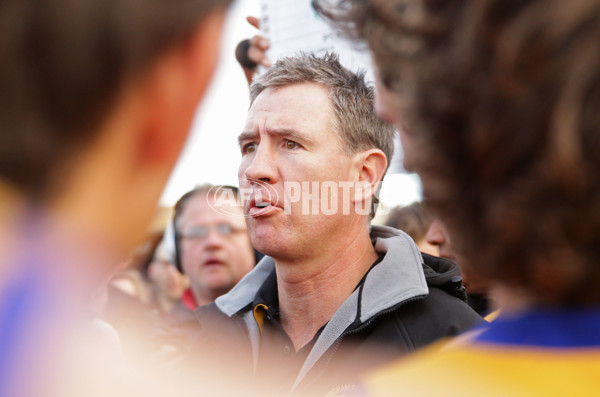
(96, 101)
(497, 105)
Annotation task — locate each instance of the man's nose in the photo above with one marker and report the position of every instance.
(260, 165)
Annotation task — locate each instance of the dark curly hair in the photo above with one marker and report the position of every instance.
(503, 97)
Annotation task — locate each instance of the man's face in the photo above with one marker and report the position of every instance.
(288, 139)
(214, 261)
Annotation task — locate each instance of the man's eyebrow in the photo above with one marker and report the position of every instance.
(288, 133)
(292, 134)
(246, 136)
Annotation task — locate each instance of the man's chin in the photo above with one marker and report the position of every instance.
(266, 243)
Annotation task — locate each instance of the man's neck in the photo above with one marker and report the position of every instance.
(311, 292)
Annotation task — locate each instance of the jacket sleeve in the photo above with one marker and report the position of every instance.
(438, 316)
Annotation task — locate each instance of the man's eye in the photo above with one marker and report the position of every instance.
(249, 148)
(291, 145)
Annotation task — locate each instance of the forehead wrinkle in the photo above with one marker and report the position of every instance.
(253, 133)
(289, 133)
(278, 123)
(280, 132)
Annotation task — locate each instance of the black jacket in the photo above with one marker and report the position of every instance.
(405, 302)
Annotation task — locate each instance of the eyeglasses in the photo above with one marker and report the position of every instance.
(200, 232)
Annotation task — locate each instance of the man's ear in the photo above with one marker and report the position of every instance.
(371, 165)
(173, 88)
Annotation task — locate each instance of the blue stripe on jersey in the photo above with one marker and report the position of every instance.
(565, 327)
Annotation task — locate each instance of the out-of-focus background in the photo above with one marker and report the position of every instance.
(212, 155)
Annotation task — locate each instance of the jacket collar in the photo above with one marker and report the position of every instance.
(398, 277)
(243, 293)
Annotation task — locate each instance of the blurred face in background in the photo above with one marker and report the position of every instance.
(438, 236)
(426, 247)
(215, 247)
(166, 279)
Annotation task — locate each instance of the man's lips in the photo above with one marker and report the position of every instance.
(259, 208)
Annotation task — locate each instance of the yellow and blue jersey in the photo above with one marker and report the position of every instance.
(539, 353)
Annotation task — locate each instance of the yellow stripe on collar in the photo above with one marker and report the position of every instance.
(260, 312)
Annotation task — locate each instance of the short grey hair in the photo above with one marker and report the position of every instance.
(352, 100)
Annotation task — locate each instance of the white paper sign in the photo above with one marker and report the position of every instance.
(293, 26)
